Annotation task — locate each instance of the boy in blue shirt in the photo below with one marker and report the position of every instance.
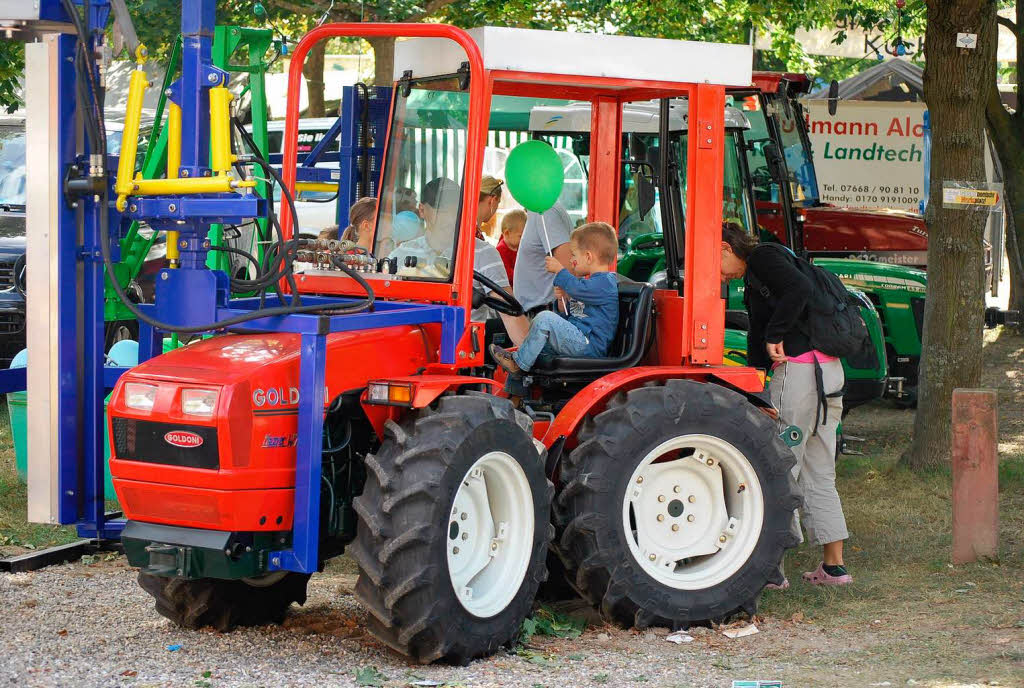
(589, 326)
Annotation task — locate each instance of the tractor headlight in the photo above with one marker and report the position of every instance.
(198, 402)
(139, 396)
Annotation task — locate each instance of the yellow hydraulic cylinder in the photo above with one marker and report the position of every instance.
(173, 140)
(196, 185)
(130, 137)
(220, 130)
(316, 186)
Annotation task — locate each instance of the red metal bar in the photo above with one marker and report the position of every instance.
(479, 110)
(605, 156)
(704, 307)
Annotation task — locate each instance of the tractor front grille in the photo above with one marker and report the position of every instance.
(147, 441)
(6, 275)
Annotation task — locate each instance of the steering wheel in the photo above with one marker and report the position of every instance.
(497, 298)
(19, 274)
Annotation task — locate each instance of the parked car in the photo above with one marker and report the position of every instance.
(12, 241)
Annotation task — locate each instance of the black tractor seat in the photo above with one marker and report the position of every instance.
(632, 337)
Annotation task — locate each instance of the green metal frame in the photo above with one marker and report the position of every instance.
(228, 41)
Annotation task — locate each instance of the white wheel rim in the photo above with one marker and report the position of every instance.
(692, 519)
(490, 534)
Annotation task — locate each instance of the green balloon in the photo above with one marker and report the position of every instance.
(534, 175)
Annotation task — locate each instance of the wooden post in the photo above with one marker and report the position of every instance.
(975, 475)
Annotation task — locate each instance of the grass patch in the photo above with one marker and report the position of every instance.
(15, 530)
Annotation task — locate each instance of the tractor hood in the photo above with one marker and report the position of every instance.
(871, 276)
(885, 236)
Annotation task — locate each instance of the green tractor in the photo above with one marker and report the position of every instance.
(641, 242)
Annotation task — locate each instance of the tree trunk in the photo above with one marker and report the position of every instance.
(313, 71)
(383, 60)
(956, 83)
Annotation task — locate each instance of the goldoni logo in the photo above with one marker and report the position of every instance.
(183, 438)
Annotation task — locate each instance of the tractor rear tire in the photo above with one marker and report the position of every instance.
(224, 604)
(658, 482)
(454, 525)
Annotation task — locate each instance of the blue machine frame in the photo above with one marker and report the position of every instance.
(191, 294)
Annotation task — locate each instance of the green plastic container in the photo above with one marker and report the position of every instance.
(123, 354)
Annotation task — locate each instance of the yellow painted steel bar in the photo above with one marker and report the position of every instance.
(315, 186)
(173, 140)
(195, 185)
(220, 130)
(130, 137)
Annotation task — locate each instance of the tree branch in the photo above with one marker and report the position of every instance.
(1008, 23)
(1000, 123)
(431, 8)
(293, 7)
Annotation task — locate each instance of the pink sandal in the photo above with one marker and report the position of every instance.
(784, 585)
(821, 577)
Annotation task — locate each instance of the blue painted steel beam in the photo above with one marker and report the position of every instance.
(226, 209)
(313, 157)
(12, 380)
(304, 554)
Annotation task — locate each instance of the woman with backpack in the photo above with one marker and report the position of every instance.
(784, 302)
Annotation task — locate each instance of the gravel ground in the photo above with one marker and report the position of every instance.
(91, 625)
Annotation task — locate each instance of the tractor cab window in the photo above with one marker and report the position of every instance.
(421, 198)
(797, 151)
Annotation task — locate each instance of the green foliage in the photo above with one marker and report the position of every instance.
(12, 64)
(369, 676)
(553, 623)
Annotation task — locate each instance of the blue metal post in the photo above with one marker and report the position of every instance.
(68, 446)
(197, 22)
(303, 556)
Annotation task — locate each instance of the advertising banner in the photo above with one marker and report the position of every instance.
(870, 154)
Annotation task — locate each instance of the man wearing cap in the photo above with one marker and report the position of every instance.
(490, 199)
(439, 208)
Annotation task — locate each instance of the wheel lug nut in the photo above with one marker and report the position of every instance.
(639, 480)
(691, 499)
(464, 516)
(465, 536)
(661, 517)
(652, 557)
(455, 550)
(677, 489)
(722, 538)
(661, 498)
(494, 546)
(675, 527)
(690, 518)
(711, 462)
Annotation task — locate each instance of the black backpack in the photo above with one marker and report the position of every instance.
(833, 325)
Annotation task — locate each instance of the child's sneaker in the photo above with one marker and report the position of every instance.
(505, 359)
(822, 577)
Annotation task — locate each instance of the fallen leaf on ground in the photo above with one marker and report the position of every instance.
(740, 632)
(129, 672)
(680, 638)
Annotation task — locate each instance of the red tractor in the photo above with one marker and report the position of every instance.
(656, 475)
(782, 167)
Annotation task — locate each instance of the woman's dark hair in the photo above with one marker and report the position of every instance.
(741, 243)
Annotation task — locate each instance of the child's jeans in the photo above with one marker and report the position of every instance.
(552, 334)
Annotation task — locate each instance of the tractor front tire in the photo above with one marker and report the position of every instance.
(676, 506)
(224, 604)
(454, 526)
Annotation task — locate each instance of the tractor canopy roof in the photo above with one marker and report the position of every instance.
(637, 118)
(769, 82)
(527, 55)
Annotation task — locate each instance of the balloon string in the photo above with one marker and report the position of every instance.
(547, 246)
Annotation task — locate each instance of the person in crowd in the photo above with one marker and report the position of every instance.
(439, 206)
(589, 327)
(407, 224)
(806, 386)
(512, 226)
(534, 284)
(328, 233)
(360, 222)
(487, 206)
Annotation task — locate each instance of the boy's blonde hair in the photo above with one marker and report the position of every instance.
(599, 238)
(514, 219)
